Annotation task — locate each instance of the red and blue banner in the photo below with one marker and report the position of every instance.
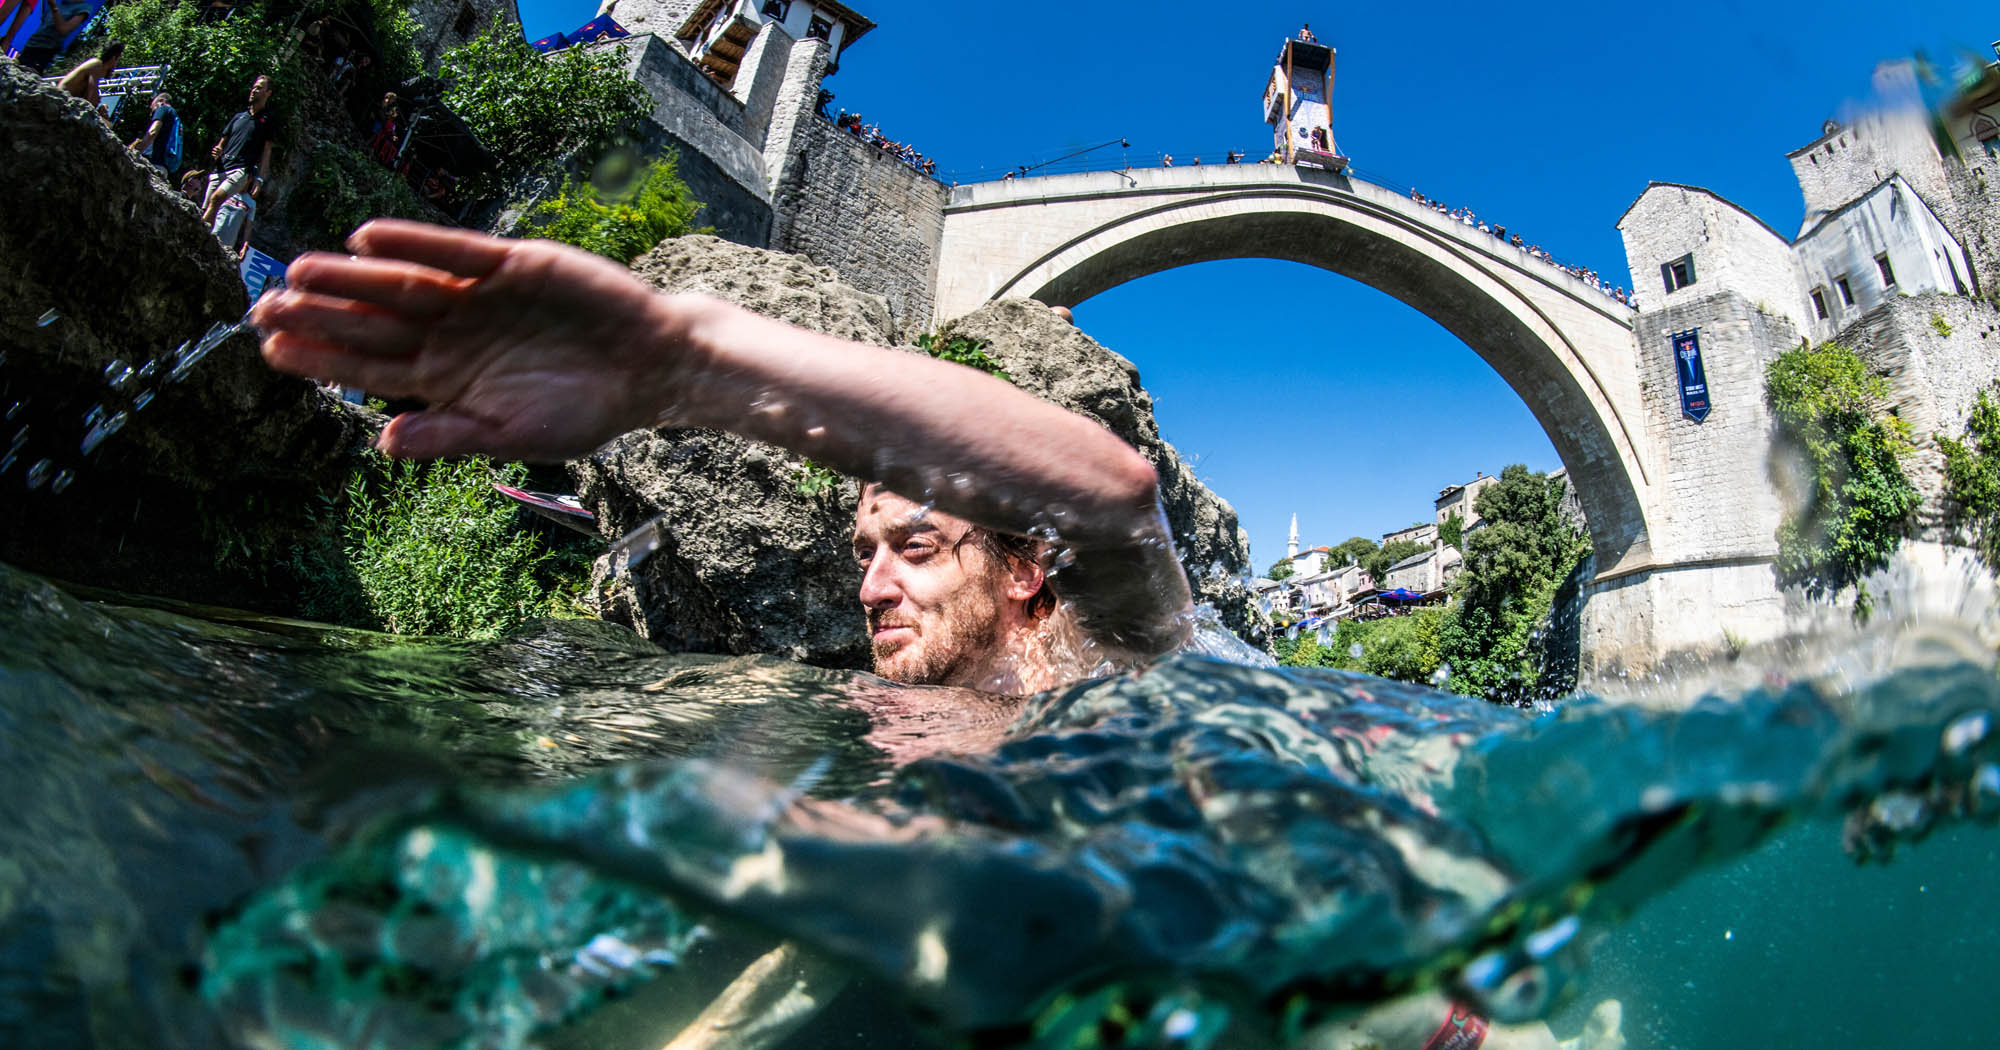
(1693, 377)
(603, 27)
(552, 42)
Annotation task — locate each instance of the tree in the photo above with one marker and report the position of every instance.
(534, 112)
(1451, 531)
(1972, 476)
(1858, 502)
(661, 206)
(1351, 551)
(1513, 567)
(1281, 570)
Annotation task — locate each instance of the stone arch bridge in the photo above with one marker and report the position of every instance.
(1565, 348)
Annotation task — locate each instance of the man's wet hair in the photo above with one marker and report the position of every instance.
(1007, 548)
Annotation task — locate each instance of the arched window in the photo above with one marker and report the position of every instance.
(1987, 131)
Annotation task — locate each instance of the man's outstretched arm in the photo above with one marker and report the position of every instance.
(531, 350)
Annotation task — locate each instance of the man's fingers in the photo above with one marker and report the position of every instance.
(453, 251)
(417, 292)
(434, 434)
(353, 326)
(304, 355)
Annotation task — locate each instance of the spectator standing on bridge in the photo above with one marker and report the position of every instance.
(161, 143)
(47, 42)
(83, 80)
(1166, 160)
(243, 151)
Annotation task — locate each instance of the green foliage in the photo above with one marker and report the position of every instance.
(1350, 551)
(1513, 568)
(534, 112)
(436, 551)
(960, 350)
(1281, 570)
(1941, 326)
(1377, 561)
(620, 227)
(813, 479)
(1451, 531)
(343, 188)
(1972, 476)
(1400, 647)
(1858, 504)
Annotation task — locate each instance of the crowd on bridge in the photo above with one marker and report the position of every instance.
(1533, 251)
(871, 134)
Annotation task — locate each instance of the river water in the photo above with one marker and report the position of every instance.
(228, 830)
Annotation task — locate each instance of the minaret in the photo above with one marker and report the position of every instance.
(1292, 545)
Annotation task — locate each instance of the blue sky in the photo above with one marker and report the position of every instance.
(1548, 117)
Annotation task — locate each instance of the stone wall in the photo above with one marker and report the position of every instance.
(1840, 166)
(853, 207)
(1934, 374)
(438, 22)
(696, 118)
(1719, 501)
(1731, 249)
(1974, 218)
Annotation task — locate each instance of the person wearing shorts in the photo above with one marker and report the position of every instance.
(243, 151)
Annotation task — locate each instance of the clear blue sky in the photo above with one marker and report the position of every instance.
(1550, 118)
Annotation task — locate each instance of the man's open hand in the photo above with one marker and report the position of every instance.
(521, 349)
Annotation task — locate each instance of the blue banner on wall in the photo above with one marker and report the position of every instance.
(1694, 378)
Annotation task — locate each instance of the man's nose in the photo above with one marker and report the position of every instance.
(878, 584)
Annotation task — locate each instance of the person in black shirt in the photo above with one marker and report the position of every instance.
(243, 151)
(160, 130)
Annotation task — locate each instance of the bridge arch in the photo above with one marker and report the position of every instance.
(1564, 348)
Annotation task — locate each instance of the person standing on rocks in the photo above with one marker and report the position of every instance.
(534, 350)
(161, 142)
(242, 153)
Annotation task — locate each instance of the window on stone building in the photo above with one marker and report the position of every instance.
(777, 9)
(820, 29)
(1819, 303)
(1679, 273)
(1888, 275)
(467, 20)
(1846, 293)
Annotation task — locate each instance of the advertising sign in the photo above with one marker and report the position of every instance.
(1694, 378)
(261, 273)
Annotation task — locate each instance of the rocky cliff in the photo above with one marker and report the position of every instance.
(752, 560)
(211, 481)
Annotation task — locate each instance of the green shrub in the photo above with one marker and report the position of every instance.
(961, 350)
(343, 188)
(657, 207)
(1972, 476)
(534, 111)
(1858, 505)
(1514, 565)
(1281, 570)
(437, 551)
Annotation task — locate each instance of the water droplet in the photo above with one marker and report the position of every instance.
(636, 546)
(146, 370)
(145, 398)
(1440, 676)
(62, 480)
(96, 435)
(116, 366)
(1965, 732)
(15, 408)
(94, 416)
(1354, 651)
(39, 473)
(1546, 941)
(47, 319)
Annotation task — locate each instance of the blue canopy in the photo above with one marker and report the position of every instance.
(552, 42)
(603, 27)
(1400, 594)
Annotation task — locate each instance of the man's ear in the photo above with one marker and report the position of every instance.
(1024, 579)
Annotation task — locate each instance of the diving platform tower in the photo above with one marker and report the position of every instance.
(1298, 104)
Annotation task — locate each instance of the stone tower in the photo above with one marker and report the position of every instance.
(1292, 545)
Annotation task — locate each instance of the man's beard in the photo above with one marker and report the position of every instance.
(962, 636)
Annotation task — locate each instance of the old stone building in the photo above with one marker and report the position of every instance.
(445, 24)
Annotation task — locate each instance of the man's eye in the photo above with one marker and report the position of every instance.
(916, 549)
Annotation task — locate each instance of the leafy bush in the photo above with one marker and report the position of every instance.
(1377, 561)
(343, 188)
(1451, 531)
(1858, 502)
(532, 111)
(436, 551)
(1281, 570)
(1972, 476)
(659, 206)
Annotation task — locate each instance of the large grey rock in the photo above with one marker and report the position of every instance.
(207, 491)
(749, 563)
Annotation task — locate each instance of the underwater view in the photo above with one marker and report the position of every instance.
(229, 830)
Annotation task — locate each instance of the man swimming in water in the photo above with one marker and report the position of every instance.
(532, 350)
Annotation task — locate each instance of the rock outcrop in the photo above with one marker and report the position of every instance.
(214, 480)
(751, 561)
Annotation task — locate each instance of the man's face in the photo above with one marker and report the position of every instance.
(260, 91)
(937, 607)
